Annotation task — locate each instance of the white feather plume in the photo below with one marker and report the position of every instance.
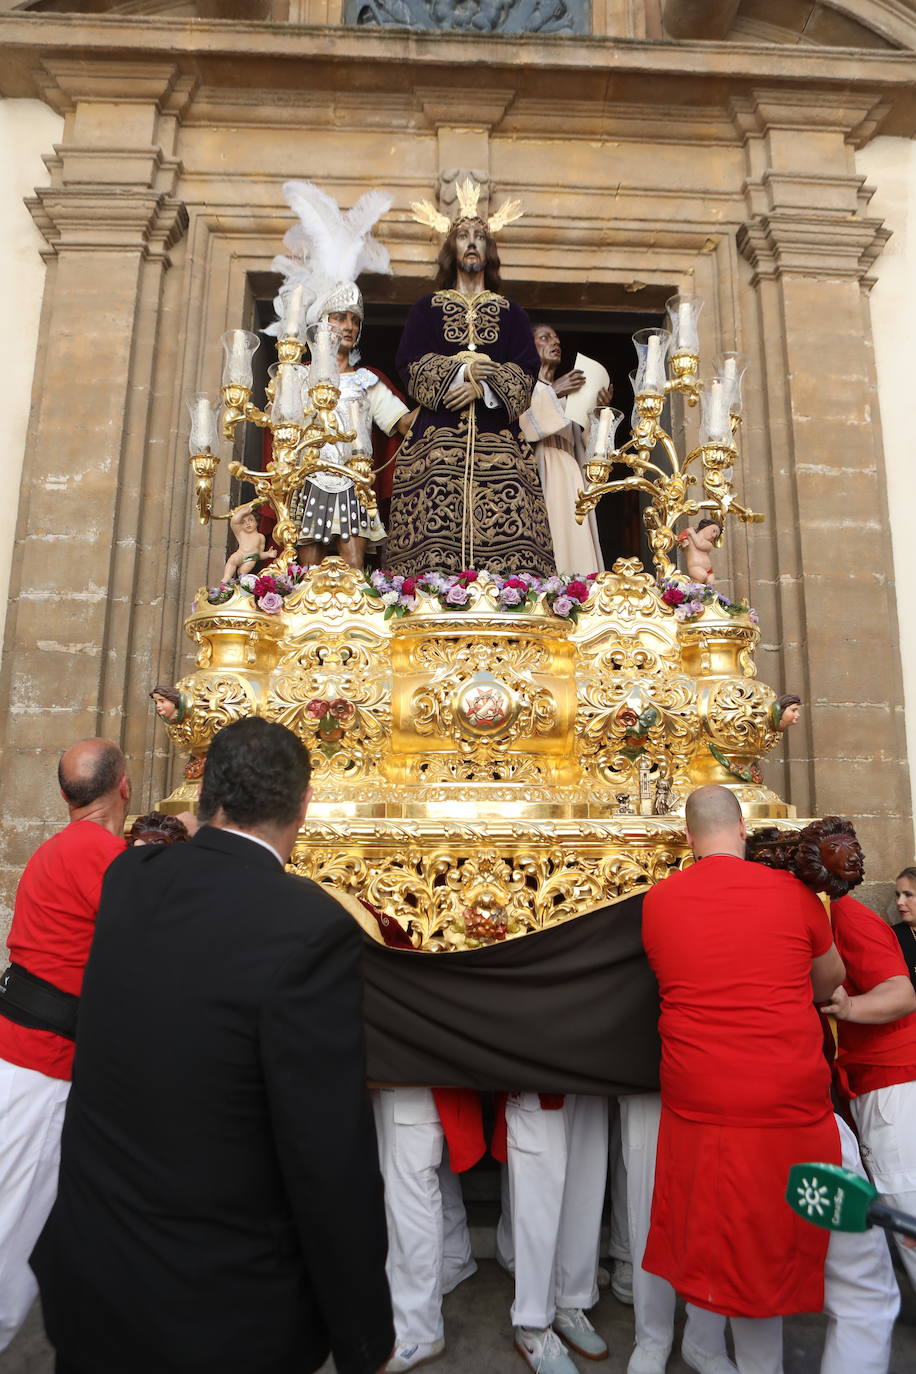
(328, 245)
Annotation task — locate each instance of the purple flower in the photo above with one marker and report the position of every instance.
(531, 580)
(563, 605)
(753, 617)
(284, 583)
(457, 596)
(510, 596)
(270, 602)
(379, 580)
(553, 585)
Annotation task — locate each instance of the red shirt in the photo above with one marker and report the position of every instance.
(53, 922)
(731, 944)
(871, 1056)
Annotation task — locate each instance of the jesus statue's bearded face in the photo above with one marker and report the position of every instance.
(471, 246)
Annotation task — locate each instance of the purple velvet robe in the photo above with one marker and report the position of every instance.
(466, 492)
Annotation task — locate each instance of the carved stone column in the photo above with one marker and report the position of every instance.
(828, 582)
(111, 221)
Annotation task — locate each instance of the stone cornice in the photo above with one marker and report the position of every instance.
(816, 244)
(605, 70)
(87, 219)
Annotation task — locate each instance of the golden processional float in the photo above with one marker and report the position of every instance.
(485, 769)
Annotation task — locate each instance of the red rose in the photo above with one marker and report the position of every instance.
(341, 709)
(517, 583)
(409, 586)
(673, 596)
(591, 577)
(263, 585)
(317, 707)
(468, 576)
(577, 590)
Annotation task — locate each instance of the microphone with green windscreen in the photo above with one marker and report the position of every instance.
(840, 1200)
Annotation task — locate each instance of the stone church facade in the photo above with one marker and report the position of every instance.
(759, 153)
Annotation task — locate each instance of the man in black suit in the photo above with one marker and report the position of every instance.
(220, 1205)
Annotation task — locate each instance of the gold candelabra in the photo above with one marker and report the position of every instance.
(302, 430)
(667, 481)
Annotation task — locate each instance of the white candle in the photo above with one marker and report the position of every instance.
(730, 369)
(718, 413)
(604, 425)
(293, 317)
(324, 354)
(202, 423)
(654, 376)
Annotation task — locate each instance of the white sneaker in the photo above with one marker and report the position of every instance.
(644, 1361)
(573, 1326)
(410, 1356)
(622, 1281)
(704, 1363)
(543, 1350)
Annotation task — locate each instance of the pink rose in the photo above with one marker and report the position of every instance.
(317, 707)
(271, 603)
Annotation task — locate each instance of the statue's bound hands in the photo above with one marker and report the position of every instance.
(569, 382)
(481, 368)
(460, 396)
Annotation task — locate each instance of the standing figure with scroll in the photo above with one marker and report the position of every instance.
(466, 489)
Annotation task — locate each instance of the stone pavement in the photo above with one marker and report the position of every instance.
(479, 1338)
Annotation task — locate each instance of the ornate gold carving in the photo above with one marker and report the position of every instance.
(472, 818)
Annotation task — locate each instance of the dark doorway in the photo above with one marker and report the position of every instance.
(601, 334)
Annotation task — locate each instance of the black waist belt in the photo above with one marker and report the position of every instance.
(36, 1003)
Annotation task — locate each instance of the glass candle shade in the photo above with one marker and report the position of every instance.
(294, 314)
(288, 406)
(204, 436)
(322, 342)
(730, 369)
(651, 350)
(239, 346)
(715, 425)
(603, 423)
(684, 313)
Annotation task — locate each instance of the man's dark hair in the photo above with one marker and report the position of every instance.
(447, 261)
(257, 772)
(104, 772)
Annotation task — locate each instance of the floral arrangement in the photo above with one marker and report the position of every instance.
(269, 589)
(690, 599)
(518, 592)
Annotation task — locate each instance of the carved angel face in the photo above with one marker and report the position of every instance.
(165, 709)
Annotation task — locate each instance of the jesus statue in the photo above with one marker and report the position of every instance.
(466, 488)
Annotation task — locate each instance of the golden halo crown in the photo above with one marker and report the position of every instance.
(424, 212)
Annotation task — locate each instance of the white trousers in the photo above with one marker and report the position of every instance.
(861, 1298)
(619, 1243)
(31, 1117)
(428, 1240)
(886, 1122)
(557, 1177)
(654, 1300)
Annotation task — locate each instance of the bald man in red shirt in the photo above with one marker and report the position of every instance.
(740, 953)
(53, 924)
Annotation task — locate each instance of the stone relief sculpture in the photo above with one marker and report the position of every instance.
(474, 16)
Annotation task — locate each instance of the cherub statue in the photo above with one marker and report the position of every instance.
(171, 705)
(785, 711)
(698, 544)
(243, 523)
